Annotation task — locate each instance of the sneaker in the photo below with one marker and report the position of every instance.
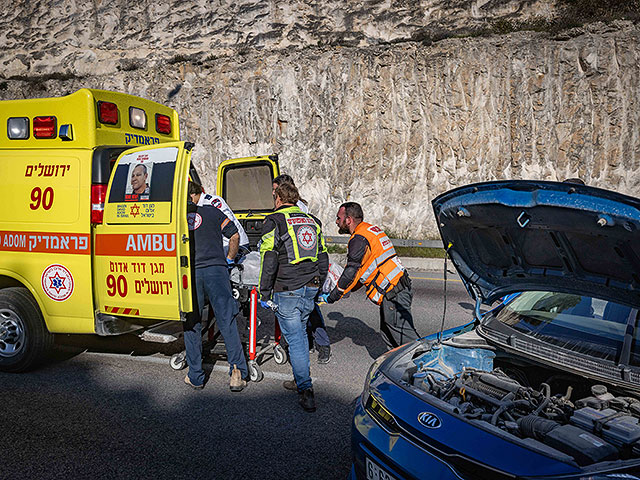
(307, 401)
(236, 382)
(290, 385)
(324, 353)
(188, 382)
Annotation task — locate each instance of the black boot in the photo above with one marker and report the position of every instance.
(324, 353)
(307, 400)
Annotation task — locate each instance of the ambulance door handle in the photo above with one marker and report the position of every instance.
(185, 238)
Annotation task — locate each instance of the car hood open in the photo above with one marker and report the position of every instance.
(513, 236)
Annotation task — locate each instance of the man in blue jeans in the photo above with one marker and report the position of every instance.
(207, 225)
(293, 265)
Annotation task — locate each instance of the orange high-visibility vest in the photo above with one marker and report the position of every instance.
(381, 269)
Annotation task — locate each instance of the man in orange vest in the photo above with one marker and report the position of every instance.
(372, 261)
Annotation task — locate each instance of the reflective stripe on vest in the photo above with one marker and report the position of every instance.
(380, 270)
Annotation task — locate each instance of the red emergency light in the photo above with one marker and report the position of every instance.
(98, 196)
(44, 127)
(163, 124)
(107, 113)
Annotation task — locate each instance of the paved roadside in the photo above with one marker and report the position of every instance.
(412, 263)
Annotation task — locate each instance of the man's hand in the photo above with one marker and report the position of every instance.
(322, 299)
(230, 263)
(269, 305)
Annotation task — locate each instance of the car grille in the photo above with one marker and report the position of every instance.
(465, 467)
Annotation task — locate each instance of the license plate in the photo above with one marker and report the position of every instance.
(374, 472)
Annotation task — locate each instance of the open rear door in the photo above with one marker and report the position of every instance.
(246, 186)
(141, 257)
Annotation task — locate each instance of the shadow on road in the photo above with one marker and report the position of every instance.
(110, 419)
(359, 333)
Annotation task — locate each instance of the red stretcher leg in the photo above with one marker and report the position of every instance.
(253, 323)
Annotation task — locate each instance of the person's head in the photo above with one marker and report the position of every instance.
(349, 217)
(577, 181)
(286, 194)
(280, 179)
(139, 178)
(195, 190)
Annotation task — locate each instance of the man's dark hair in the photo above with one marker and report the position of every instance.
(578, 181)
(353, 210)
(284, 178)
(288, 193)
(195, 188)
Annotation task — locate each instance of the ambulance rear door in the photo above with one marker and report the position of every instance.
(246, 186)
(141, 257)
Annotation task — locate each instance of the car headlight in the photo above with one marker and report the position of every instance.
(375, 366)
(373, 369)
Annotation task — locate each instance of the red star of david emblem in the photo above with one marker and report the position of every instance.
(57, 282)
(307, 237)
(135, 211)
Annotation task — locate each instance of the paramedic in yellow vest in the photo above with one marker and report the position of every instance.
(293, 266)
(372, 262)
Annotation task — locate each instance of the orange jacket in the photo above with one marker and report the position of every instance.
(380, 269)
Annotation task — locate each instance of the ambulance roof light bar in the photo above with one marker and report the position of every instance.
(18, 128)
(163, 123)
(45, 127)
(137, 118)
(108, 113)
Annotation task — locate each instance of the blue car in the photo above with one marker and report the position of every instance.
(546, 385)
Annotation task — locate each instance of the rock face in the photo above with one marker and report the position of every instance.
(386, 103)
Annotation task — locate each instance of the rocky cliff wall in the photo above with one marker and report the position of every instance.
(363, 101)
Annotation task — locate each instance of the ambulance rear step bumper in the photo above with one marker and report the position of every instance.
(107, 325)
(165, 332)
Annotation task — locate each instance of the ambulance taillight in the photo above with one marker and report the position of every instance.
(107, 113)
(98, 196)
(44, 127)
(163, 124)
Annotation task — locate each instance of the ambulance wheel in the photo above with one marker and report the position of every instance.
(24, 338)
(178, 361)
(280, 355)
(255, 372)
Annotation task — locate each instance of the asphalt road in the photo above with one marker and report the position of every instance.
(110, 408)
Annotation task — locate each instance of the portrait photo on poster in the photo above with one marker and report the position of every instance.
(144, 176)
(139, 186)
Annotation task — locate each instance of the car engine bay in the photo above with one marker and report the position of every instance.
(580, 418)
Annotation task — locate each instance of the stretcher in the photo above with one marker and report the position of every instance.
(243, 282)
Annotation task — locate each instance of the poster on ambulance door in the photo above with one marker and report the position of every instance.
(142, 187)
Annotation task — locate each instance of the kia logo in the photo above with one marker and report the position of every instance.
(429, 420)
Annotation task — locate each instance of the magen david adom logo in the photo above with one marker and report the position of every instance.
(57, 282)
(307, 237)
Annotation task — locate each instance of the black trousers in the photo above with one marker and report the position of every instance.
(396, 321)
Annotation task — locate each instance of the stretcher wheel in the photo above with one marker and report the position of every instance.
(255, 372)
(280, 354)
(178, 361)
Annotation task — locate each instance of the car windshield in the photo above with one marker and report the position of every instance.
(581, 324)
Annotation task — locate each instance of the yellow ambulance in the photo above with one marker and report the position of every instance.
(93, 226)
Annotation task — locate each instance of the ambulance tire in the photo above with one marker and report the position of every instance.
(21, 322)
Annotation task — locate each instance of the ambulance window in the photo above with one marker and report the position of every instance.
(249, 187)
(103, 160)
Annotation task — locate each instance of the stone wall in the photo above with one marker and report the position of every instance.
(372, 104)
